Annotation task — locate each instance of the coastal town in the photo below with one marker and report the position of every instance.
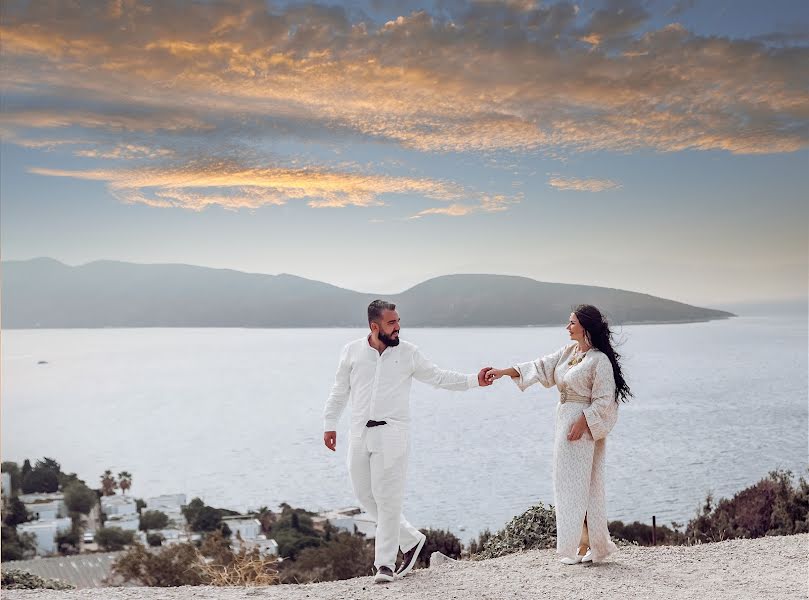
(57, 541)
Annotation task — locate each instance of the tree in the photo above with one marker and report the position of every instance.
(67, 542)
(49, 464)
(155, 540)
(16, 513)
(16, 547)
(140, 504)
(26, 467)
(40, 480)
(108, 483)
(206, 519)
(153, 519)
(124, 481)
(112, 539)
(191, 510)
(65, 479)
(14, 473)
(79, 498)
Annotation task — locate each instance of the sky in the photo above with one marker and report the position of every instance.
(658, 146)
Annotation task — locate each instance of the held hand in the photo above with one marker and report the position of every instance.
(493, 375)
(330, 439)
(483, 379)
(578, 429)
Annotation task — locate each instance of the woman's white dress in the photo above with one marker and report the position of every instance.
(578, 467)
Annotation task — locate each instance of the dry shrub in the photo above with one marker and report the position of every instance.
(245, 568)
(213, 563)
(169, 567)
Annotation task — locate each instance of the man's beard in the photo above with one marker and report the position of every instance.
(388, 340)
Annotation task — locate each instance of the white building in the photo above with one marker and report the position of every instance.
(44, 533)
(171, 505)
(347, 519)
(246, 531)
(6, 486)
(248, 528)
(118, 505)
(126, 522)
(44, 507)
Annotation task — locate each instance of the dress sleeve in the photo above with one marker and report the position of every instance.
(602, 413)
(540, 370)
(338, 398)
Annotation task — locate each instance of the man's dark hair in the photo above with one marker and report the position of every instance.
(376, 308)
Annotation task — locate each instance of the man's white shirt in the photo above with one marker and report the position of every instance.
(378, 385)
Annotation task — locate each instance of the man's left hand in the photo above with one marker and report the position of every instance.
(482, 381)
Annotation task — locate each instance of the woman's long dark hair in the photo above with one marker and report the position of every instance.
(600, 335)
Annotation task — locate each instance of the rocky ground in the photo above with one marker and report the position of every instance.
(772, 567)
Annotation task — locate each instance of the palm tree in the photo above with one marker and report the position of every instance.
(108, 483)
(124, 480)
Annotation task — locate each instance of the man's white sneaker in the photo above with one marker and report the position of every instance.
(383, 575)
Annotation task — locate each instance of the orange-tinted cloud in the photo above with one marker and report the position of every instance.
(578, 184)
(461, 84)
(233, 186)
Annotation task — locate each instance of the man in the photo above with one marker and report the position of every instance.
(375, 373)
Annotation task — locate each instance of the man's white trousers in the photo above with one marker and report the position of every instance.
(377, 464)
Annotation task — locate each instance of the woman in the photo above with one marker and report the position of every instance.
(588, 375)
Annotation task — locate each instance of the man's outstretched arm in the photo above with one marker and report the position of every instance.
(427, 372)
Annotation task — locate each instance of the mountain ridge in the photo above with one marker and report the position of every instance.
(45, 293)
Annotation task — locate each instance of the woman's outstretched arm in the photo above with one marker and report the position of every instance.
(495, 374)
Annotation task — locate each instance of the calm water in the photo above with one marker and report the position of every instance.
(234, 416)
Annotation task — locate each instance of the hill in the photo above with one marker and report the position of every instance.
(44, 293)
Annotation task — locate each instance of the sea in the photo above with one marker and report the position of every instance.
(234, 416)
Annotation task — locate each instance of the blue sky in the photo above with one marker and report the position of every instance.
(654, 146)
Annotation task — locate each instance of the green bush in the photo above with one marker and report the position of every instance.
(641, 533)
(68, 542)
(534, 529)
(153, 519)
(773, 506)
(15, 546)
(344, 556)
(476, 545)
(441, 541)
(16, 579)
(112, 539)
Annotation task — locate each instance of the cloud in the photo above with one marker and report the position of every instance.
(234, 186)
(478, 78)
(577, 184)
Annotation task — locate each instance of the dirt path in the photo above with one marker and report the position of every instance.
(773, 567)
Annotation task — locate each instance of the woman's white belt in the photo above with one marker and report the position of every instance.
(565, 396)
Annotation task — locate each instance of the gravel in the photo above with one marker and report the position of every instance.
(771, 567)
